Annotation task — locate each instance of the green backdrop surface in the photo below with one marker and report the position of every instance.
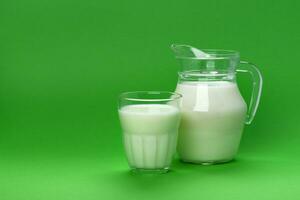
(63, 64)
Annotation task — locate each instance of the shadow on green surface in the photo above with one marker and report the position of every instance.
(236, 168)
(184, 174)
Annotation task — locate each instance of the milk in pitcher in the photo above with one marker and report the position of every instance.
(213, 116)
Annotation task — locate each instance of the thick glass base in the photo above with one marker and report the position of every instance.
(209, 162)
(150, 171)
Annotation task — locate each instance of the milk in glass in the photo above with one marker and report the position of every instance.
(149, 134)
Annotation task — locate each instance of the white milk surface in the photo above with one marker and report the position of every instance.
(150, 134)
(213, 115)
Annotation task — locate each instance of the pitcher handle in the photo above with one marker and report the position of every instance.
(256, 88)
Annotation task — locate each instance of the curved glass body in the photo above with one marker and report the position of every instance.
(213, 110)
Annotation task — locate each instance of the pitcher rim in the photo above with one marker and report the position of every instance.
(215, 53)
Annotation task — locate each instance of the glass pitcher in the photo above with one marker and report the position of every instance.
(213, 110)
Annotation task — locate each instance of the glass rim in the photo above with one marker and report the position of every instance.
(217, 54)
(173, 96)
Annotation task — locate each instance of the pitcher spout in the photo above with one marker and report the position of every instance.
(187, 51)
(210, 64)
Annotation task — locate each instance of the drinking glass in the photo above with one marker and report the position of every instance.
(150, 121)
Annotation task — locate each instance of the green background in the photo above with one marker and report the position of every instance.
(64, 62)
